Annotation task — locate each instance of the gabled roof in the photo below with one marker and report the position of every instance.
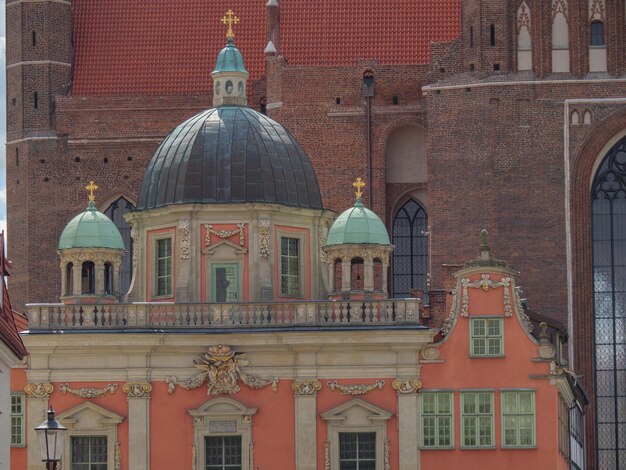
(170, 46)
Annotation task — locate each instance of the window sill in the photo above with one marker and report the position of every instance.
(519, 447)
(478, 448)
(472, 356)
(437, 448)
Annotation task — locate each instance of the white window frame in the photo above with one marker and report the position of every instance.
(357, 416)
(154, 268)
(503, 393)
(80, 421)
(450, 394)
(302, 247)
(473, 353)
(464, 394)
(22, 417)
(222, 417)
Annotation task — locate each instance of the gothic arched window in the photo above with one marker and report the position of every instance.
(410, 256)
(116, 212)
(608, 209)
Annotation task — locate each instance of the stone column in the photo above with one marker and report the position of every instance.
(99, 277)
(64, 278)
(37, 396)
(346, 275)
(77, 271)
(331, 277)
(385, 272)
(117, 281)
(306, 423)
(138, 394)
(408, 431)
(368, 275)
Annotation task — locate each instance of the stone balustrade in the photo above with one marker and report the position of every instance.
(142, 315)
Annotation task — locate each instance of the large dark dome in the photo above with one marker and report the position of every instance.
(229, 155)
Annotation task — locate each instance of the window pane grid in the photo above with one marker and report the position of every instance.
(410, 256)
(17, 419)
(436, 419)
(289, 266)
(486, 337)
(477, 419)
(164, 266)
(608, 200)
(223, 452)
(89, 453)
(518, 419)
(357, 451)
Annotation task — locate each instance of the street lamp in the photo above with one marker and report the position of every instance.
(50, 435)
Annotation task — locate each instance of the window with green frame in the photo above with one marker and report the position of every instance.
(437, 420)
(290, 266)
(17, 420)
(164, 272)
(486, 338)
(477, 419)
(518, 418)
(223, 452)
(89, 453)
(357, 451)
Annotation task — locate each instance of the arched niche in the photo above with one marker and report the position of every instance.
(405, 157)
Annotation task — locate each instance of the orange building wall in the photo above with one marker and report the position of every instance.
(273, 432)
(19, 456)
(512, 371)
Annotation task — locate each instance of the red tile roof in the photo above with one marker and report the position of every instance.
(169, 46)
(8, 328)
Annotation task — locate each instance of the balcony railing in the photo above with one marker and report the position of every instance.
(160, 315)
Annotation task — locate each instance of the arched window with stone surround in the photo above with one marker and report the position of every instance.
(410, 263)
(69, 279)
(524, 42)
(88, 278)
(608, 209)
(116, 212)
(108, 279)
(560, 36)
(357, 274)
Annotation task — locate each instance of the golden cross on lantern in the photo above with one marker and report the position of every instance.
(230, 19)
(91, 187)
(358, 184)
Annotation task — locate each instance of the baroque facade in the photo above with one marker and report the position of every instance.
(458, 114)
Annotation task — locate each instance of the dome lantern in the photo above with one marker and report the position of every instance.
(230, 75)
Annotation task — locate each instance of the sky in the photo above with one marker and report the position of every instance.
(3, 126)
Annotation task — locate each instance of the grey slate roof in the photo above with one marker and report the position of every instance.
(229, 154)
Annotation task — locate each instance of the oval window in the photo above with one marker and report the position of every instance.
(218, 87)
(229, 87)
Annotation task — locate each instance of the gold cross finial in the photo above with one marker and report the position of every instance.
(91, 187)
(230, 19)
(358, 184)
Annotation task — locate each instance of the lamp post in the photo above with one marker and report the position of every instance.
(50, 435)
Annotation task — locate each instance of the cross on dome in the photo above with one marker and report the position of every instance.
(359, 184)
(92, 187)
(230, 19)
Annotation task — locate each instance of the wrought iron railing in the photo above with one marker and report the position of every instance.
(223, 315)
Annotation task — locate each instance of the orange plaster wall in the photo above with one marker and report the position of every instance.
(171, 427)
(509, 372)
(245, 282)
(386, 399)
(307, 261)
(19, 456)
(116, 402)
(149, 258)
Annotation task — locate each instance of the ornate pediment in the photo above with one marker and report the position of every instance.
(222, 369)
(224, 245)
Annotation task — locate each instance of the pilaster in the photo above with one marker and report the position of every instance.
(408, 432)
(306, 423)
(138, 394)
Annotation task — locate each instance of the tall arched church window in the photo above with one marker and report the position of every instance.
(597, 43)
(608, 208)
(524, 43)
(410, 255)
(560, 36)
(116, 212)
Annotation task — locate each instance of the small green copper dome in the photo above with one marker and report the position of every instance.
(229, 59)
(358, 225)
(91, 229)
